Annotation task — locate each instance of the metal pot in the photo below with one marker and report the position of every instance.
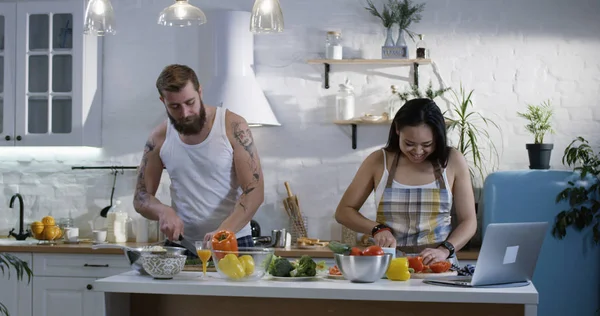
(134, 255)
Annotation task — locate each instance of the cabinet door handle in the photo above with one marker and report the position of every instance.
(96, 265)
(7, 137)
(89, 287)
(19, 137)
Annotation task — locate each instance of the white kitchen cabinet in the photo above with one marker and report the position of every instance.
(63, 283)
(51, 89)
(63, 296)
(14, 294)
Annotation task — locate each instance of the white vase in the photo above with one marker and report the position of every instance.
(389, 40)
(401, 42)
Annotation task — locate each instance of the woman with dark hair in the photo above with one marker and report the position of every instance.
(416, 178)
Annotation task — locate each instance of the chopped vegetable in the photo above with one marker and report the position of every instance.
(440, 267)
(339, 248)
(373, 251)
(280, 267)
(225, 241)
(307, 267)
(231, 266)
(416, 263)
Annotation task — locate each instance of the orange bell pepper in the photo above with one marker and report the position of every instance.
(225, 241)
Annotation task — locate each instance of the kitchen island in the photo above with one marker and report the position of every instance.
(189, 294)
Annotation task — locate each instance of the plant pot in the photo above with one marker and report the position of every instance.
(539, 155)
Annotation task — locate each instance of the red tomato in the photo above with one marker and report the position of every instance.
(440, 267)
(355, 252)
(373, 251)
(334, 271)
(416, 263)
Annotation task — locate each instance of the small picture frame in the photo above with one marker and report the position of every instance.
(394, 52)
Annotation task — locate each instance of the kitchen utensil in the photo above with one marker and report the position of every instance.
(188, 245)
(292, 207)
(134, 255)
(363, 269)
(278, 238)
(105, 210)
(261, 257)
(255, 228)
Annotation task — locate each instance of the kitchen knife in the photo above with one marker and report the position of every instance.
(188, 245)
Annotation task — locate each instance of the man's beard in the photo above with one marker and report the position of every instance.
(191, 125)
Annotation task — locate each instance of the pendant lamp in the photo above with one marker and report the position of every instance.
(99, 18)
(266, 17)
(181, 14)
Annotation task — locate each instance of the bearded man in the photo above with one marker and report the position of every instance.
(209, 154)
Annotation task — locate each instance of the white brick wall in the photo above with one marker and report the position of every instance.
(511, 52)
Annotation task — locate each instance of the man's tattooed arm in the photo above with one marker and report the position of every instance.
(249, 175)
(148, 179)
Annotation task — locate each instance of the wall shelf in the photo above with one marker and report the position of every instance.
(377, 62)
(397, 62)
(355, 123)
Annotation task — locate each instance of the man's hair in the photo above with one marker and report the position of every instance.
(175, 77)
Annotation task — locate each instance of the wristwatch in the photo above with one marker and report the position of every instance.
(380, 227)
(446, 244)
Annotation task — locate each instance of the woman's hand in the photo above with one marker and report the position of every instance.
(433, 255)
(385, 239)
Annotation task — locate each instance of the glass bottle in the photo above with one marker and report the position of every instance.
(344, 102)
(394, 103)
(422, 50)
(333, 45)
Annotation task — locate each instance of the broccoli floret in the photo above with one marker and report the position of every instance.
(306, 267)
(280, 267)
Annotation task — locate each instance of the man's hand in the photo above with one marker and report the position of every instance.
(385, 239)
(208, 237)
(170, 224)
(433, 255)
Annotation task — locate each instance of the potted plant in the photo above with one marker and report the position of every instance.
(539, 117)
(403, 13)
(8, 261)
(415, 93)
(474, 141)
(582, 195)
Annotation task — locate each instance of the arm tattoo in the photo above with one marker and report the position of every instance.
(142, 196)
(243, 136)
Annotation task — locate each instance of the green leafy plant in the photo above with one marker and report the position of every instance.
(472, 129)
(583, 196)
(539, 117)
(406, 14)
(415, 93)
(8, 261)
(388, 14)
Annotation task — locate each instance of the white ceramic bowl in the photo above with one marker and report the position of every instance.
(163, 266)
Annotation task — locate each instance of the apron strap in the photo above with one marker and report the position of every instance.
(392, 172)
(439, 175)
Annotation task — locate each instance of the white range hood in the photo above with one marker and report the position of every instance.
(233, 84)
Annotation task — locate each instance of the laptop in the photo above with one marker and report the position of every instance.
(508, 257)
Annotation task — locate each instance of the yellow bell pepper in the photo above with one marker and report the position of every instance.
(398, 270)
(248, 263)
(231, 266)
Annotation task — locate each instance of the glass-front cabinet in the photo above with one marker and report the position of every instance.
(52, 68)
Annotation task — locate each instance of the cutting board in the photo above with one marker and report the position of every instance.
(432, 275)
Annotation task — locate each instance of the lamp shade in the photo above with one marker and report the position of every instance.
(181, 14)
(266, 17)
(99, 18)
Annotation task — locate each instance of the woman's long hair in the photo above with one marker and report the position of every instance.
(414, 113)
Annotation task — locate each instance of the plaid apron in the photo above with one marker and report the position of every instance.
(419, 217)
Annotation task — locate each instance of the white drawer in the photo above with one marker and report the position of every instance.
(76, 265)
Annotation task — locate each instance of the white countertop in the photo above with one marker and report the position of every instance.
(191, 283)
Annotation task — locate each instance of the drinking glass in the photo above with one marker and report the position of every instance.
(203, 248)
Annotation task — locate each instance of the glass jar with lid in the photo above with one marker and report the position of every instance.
(333, 45)
(344, 102)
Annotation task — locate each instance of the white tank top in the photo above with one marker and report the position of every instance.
(204, 187)
(395, 184)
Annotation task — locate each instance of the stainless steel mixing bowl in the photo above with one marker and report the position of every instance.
(363, 269)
